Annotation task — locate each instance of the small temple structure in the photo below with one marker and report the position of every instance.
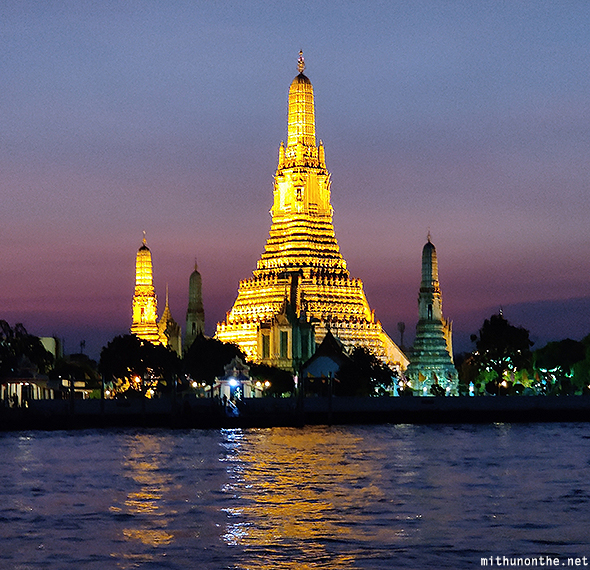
(169, 329)
(236, 383)
(301, 287)
(144, 306)
(195, 313)
(431, 357)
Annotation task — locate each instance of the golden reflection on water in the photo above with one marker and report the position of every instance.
(301, 494)
(145, 505)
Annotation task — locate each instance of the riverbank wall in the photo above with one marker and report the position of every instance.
(190, 412)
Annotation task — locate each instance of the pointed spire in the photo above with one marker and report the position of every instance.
(195, 314)
(144, 305)
(300, 62)
(281, 155)
(301, 115)
(166, 314)
(429, 265)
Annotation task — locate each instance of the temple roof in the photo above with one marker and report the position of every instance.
(301, 78)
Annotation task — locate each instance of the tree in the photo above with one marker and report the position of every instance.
(582, 368)
(281, 381)
(16, 344)
(555, 364)
(500, 348)
(76, 367)
(206, 358)
(138, 365)
(467, 370)
(363, 375)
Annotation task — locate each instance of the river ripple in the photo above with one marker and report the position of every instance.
(360, 497)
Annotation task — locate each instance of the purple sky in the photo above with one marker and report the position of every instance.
(471, 119)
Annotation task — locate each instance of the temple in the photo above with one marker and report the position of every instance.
(144, 307)
(195, 313)
(301, 287)
(169, 329)
(431, 370)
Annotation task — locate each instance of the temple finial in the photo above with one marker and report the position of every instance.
(300, 62)
(428, 236)
(144, 242)
(196, 267)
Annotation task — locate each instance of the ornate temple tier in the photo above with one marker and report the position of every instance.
(301, 281)
(300, 241)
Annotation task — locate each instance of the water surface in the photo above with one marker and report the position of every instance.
(410, 497)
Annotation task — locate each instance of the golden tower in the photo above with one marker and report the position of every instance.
(301, 277)
(144, 304)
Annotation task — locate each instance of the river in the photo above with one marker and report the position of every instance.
(355, 497)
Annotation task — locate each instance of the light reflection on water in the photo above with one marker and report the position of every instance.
(150, 526)
(340, 498)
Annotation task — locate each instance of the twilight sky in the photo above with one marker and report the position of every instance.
(471, 119)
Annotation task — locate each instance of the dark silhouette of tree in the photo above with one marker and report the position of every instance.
(206, 358)
(17, 344)
(556, 360)
(561, 355)
(582, 368)
(77, 367)
(281, 381)
(500, 348)
(127, 358)
(467, 371)
(362, 374)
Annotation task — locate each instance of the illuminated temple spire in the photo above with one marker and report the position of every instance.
(145, 305)
(302, 233)
(432, 353)
(301, 282)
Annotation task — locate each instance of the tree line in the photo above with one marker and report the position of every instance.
(501, 363)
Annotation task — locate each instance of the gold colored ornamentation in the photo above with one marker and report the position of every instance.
(301, 263)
